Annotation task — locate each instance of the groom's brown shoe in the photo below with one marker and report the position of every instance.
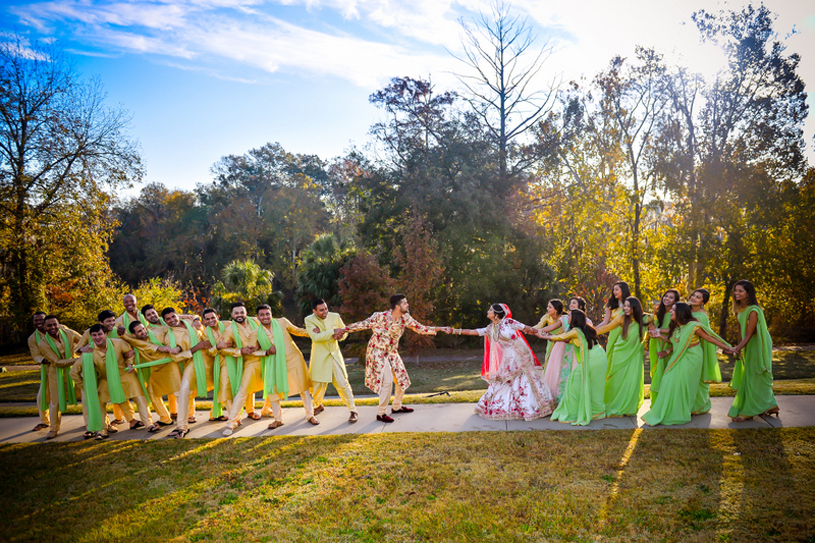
(402, 409)
(354, 417)
(384, 418)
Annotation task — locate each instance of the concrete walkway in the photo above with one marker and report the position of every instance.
(796, 411)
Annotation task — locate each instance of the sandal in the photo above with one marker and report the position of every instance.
(88, 435)
(222, 418)
(112, 429)
(192, 420)
(253, 416)
(139, 424)
(153, 428)
(774, 411)
(275, 425)
(741, 419)
(178, 433)
(40, 426)
(100, 436)
(117, 422)
(164, 423)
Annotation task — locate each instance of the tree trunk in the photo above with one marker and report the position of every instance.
(728, 287)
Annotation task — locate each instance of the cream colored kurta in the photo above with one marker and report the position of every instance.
(251, 362)
(324, 348)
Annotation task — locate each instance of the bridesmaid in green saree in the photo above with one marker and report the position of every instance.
(625, 387)
(683, 370)
(656, 345)
(582, 399)
(620, 292)
(711, 373)
(753, 374)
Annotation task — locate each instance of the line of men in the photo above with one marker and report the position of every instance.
(142, 357)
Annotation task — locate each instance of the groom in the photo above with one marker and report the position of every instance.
(383, 365)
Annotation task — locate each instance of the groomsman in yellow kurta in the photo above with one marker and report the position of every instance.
(107, 319)
(125, 373)
(33, 347)
(213, 332)
(327, 364)
(299, 380)
(57, 347)
(242, 346)
(152, 348)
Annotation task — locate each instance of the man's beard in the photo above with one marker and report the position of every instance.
(240, 320)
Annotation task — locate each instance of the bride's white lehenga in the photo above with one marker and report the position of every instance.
(516, 390)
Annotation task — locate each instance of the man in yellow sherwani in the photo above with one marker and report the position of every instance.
(299, 380)
(58, 349)
(240, 341)
(33, 346)
(327, 364)
(121, 357)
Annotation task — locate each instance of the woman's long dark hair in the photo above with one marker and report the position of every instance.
(683, 315)
(499, 311)
(662, 309)
(613, 303)
(636, 316)
(578, 320)
(751, 294)
(558, 305)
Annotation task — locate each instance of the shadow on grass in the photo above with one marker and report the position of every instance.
(777, 500)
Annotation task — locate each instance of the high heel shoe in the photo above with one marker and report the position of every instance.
(770, 412)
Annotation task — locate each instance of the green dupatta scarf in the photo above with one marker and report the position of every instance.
(273, 367)
(65, 396)
(711, 372)
(760, 346)
(43, 405)
(217, 410)
(91, 393)
(198, 363)
(117, 392)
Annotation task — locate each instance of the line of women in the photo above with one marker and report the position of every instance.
(580, 381)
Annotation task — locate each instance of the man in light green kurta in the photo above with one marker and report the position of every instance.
(326, 364)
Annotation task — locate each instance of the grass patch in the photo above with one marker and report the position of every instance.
(684, 485)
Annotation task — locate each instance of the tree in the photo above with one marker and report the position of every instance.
(633, 101)
(60, 147)
(735, 143)
(244, 280)
(319, 273)
(504, 65)
(420, 276)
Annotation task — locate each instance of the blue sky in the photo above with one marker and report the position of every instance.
(207, 78)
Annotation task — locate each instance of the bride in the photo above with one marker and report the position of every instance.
(516, 390)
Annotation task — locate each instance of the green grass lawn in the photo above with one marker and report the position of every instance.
(620, 485)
